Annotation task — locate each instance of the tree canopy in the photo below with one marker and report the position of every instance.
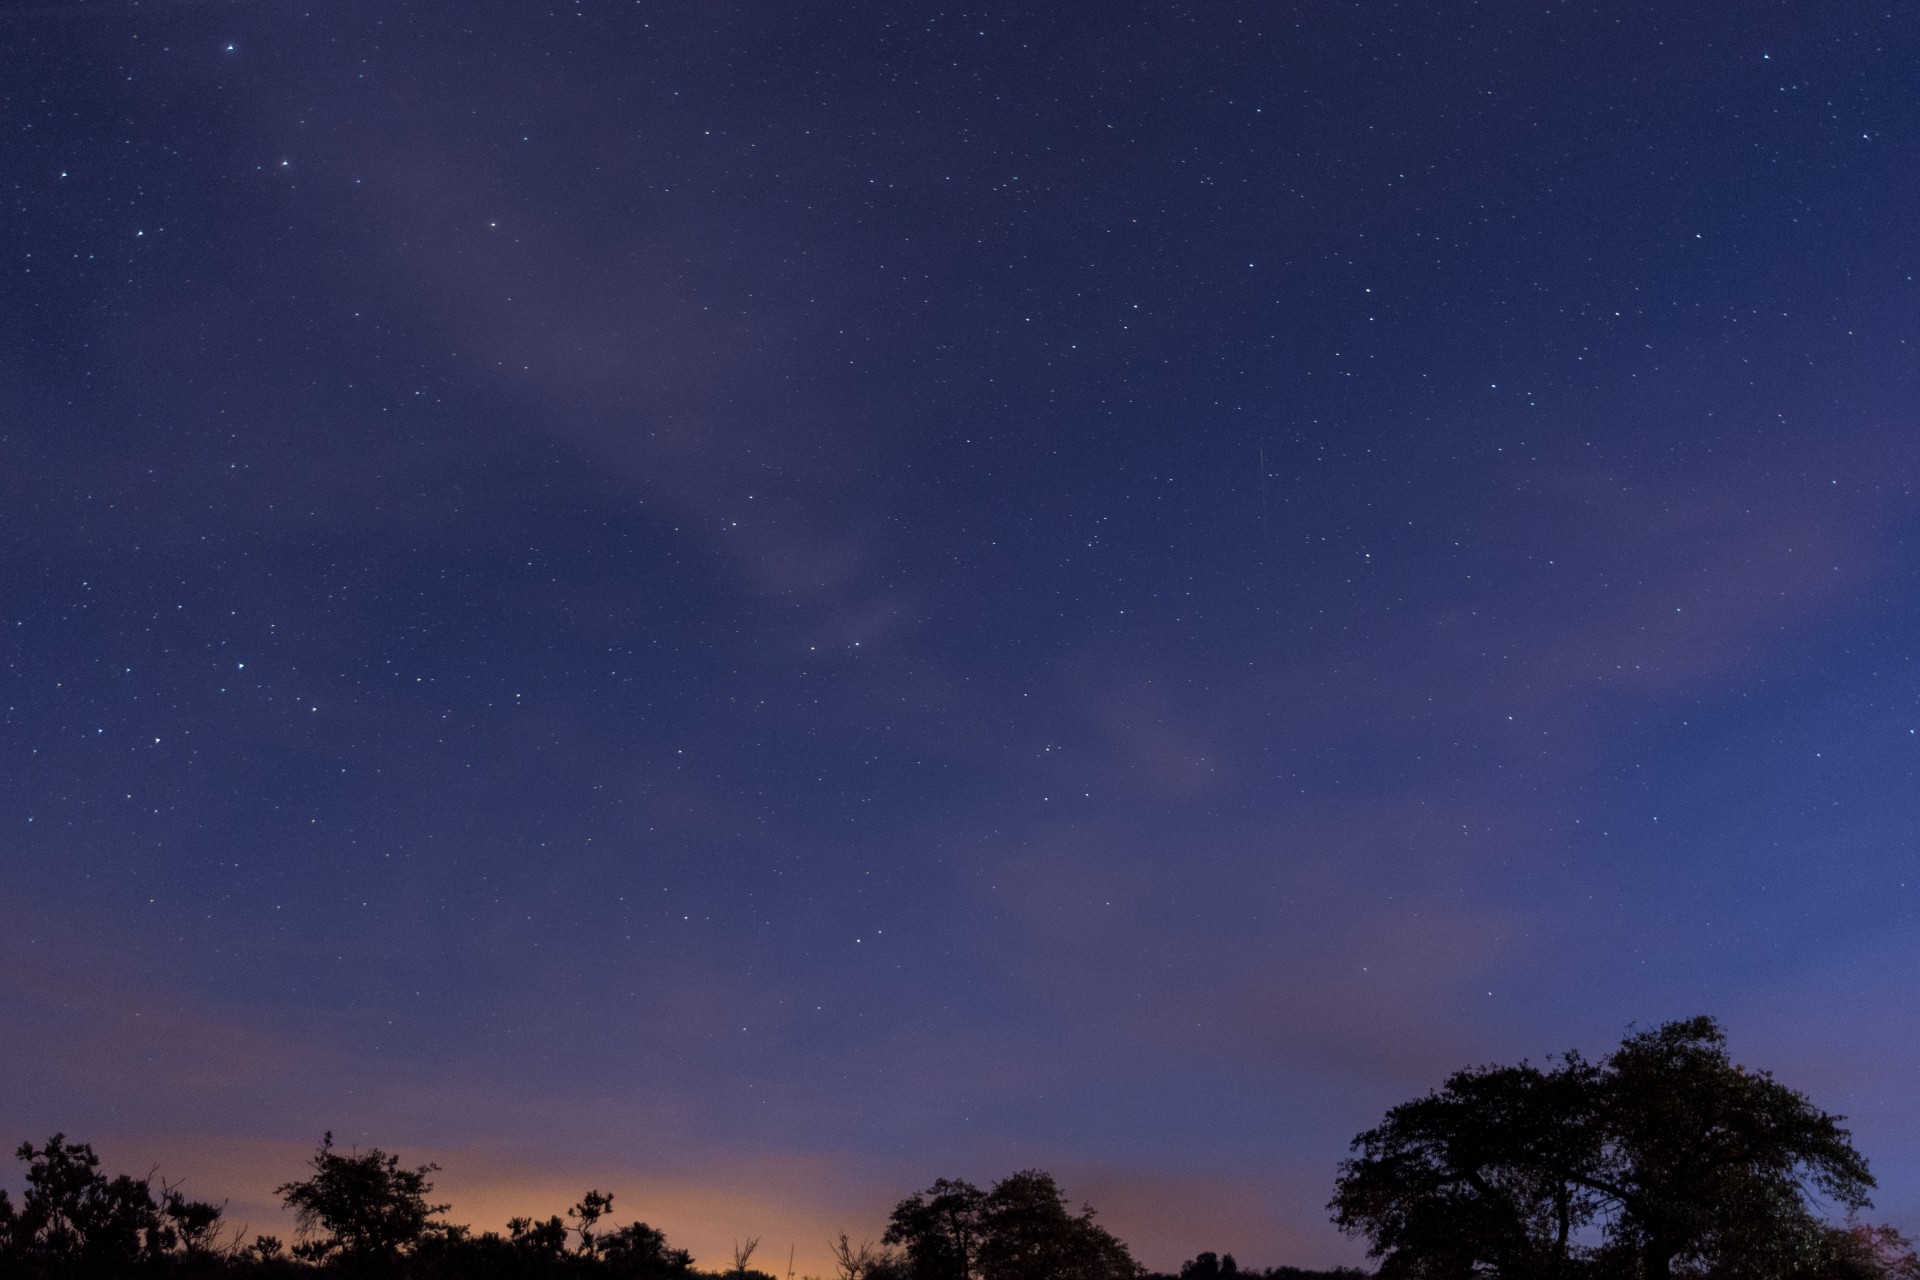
(1667, 1158)
(75, 1220)
(363, 1205)
(1020, 1230)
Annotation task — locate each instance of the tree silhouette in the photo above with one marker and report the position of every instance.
(1030, 1234)
(73, 1219)
(1862, 1252)
(1666, 1154)
(742, 1255)
(641, 1252)
(548, 1236)
(939, 1229)
(1020, 1230)
(1480, 1176)
(593, 1206)
(360, 1207)
(863, 1261)
(1214, 1266)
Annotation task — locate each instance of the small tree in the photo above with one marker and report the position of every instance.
(548, 1237)
(361, 1206)
(593, 1206)
(642, 1252)
(862, 1261)
(742, 1255)
(192, 1226)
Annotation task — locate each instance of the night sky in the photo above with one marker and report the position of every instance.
(755, 604)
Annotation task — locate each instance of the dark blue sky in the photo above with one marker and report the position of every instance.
(762, 606)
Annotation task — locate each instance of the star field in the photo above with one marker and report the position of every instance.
(763, 605)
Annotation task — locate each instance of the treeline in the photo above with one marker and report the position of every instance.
(365, 1214)
(1210, 1266)
(1664, 1160)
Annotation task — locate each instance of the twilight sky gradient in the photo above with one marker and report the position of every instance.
(759, 603)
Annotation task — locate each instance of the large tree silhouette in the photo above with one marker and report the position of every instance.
(1665, 1156)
